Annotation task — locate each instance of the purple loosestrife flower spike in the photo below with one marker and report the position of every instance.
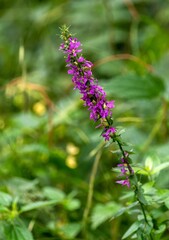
(93, 95)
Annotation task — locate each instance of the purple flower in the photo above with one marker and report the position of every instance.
(125, 169)
(108, 132)
(93, 95)
(124, 182)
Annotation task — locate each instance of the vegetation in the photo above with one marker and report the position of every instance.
(58, 181)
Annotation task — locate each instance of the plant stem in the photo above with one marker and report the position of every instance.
(136, 185)
(91, 187)
(124, 156)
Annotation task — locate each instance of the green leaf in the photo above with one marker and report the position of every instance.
(103, 212)
(70, 230)
(34, 148)
(27, 121)
(167, 202)
(124, 209)
(5, 199)
(162, 67)
(65, 109)
(160, 167)
(132, 86)
(140, 195)
(17, 231)
(4, 209)
(54, 194)
(161, 229)
(18, 185)
(72, 204)
(133, 228)
(36, 205)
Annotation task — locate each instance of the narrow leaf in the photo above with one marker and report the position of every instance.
(36, 205)
(133, 228)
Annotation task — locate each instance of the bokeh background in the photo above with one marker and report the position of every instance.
(48, 144)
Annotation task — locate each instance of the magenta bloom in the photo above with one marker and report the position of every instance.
(108, 132)
(125, 172)
(93, 95)
(123, 169)
(124, 182)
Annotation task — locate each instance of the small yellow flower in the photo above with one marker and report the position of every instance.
(39, 108)
(71, 162)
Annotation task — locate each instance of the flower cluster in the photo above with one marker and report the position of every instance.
(125, 169)
(93, 95)
(108, 133)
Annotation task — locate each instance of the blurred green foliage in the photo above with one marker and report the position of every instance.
(48, 145)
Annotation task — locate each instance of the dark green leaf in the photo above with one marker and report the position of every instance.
(70, 230)
(132, 229)
(132, 86)
(17, 231)
(140, 195)
(103, 212)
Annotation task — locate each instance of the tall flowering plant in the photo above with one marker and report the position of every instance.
(94, 96)
(95, 99)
